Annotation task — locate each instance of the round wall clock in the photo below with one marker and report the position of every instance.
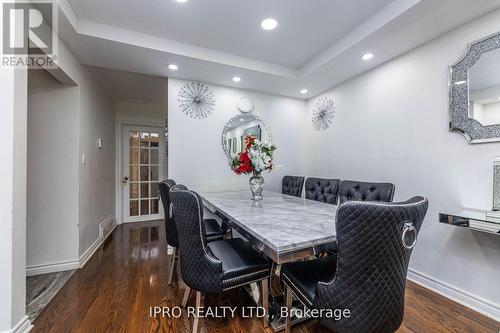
(245, 104)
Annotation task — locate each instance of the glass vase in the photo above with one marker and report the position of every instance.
(256, 184)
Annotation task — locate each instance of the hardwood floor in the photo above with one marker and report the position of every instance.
(115, 289)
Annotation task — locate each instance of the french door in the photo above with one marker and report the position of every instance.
(142, 167)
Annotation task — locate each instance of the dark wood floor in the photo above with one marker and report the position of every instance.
(115, 289)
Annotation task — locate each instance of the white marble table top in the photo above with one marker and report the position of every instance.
(283, 223)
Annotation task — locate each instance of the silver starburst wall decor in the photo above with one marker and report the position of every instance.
(196, 100)
(323, 113)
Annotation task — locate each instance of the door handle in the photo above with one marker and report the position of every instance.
(125, 180)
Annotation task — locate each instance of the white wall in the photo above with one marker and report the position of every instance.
(13, 126)
(95, 180)
(487, 114)
(196, 155)
(476, 111)
(52, 203)
(391, 125)
(141, 111)
(97, 177)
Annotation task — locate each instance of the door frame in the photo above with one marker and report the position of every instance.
(120, 125)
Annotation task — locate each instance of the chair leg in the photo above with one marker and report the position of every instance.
(264, 286)
(288, 304)
(172, 266)
(228, 234)
(199, 304)
(180, 281)
(185, 299)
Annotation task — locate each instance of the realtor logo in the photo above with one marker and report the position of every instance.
(29, 33)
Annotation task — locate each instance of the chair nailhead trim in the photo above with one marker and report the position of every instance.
(209, 257)
(243, 284)
(244, 276)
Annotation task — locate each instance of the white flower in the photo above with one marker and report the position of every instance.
(260, 160)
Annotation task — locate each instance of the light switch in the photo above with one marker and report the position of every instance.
(99, 143)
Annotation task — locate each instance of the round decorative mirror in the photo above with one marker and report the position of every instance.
(238, 128)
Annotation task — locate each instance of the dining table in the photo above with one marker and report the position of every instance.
(284, 228)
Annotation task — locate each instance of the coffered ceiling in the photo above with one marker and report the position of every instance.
(317, 44)
(305, 28)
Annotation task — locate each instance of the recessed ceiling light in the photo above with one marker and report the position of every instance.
(499, 98)
(236, 79)
(304, 91)
(269, 24)
(367, 56)
(460, 82)
(173, 67)
(241, 119)
(182, 1)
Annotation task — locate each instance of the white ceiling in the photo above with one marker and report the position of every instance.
(317, 45)
(231, 26)
(128, 86)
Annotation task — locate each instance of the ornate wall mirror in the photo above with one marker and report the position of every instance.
(240, 126)
(475, 92)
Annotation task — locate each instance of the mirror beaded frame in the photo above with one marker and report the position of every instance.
(234, 119)
(460, 122)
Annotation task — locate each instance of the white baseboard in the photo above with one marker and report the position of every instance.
(52, 267)
(143, 220)
(474, 302)
(89, 252)
(106, 227)
(23, 326)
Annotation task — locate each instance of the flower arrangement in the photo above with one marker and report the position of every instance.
(255, 158)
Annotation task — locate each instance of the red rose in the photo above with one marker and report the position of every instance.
(249, 141)
(244, 158)
(243, 168)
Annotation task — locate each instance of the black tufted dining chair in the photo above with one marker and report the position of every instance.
(322, 190)
(214, 231)
(367, 276)
(350, 190)
(217, 266)
(171, 232)
(292, 185)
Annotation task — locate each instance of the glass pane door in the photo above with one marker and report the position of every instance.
(144, 165)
